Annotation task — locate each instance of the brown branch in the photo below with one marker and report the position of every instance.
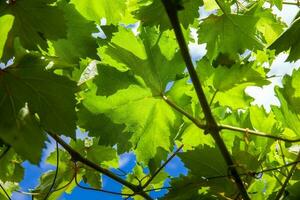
(289, 176)
(77, 157)
(212, 126)
(161, 167)
(257, 133)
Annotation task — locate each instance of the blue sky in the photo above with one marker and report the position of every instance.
(127, 161)
(175, 167)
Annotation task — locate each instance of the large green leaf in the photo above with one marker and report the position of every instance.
(146, 55)
(45, 22)
(152, 122)
(229, 84)
(203, 164)
(79, 42)
(229, 34)
(28, 89)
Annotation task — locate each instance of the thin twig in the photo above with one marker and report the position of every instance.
(228, 127)
(78, 157)
(56, 172)
(291, 3)
(257, 133)
(213, 97)
(6, 194)
(39, 193)
(186, 114)
(277, 179)
(282, 155)
(212, 126)
(161, 167)
(99, 190)
(289, 176)
(229, 176)
(161, 188)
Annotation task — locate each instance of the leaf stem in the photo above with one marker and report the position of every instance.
(186, 114)
(282, 155)
(6, 194)
(292, 3)
(161, 167)
(56, 172)
(77, 157)
(289, 176)
(212, 126)
(99, 190)
(257, 133)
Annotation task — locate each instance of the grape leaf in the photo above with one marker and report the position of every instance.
(289, 40)
(291, 90)
(187, 14)
(64, 180)
(34, 29)
(229, 34)
(230, 83)
(97, 9)
(54, 101)
(285, 115)
(10, 168)
(158, 123)
(6, 23)
(145, 56)
(79, 42)
(202, 167)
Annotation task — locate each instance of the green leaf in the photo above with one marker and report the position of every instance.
(230, 83)
(270, 26)
(202, 167)
(291, 91)
(47, 22)
(64, 181)
(46, 94)
(79, 42)
(229, 34)
(95, 10)
(192, 137)
(10, 166)
(138, 177)
(286, 114)
(155, 128)
(19, 128)
(187, 14)
(6, 23)
(146, 56)
(10, 187)
(289, 40)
